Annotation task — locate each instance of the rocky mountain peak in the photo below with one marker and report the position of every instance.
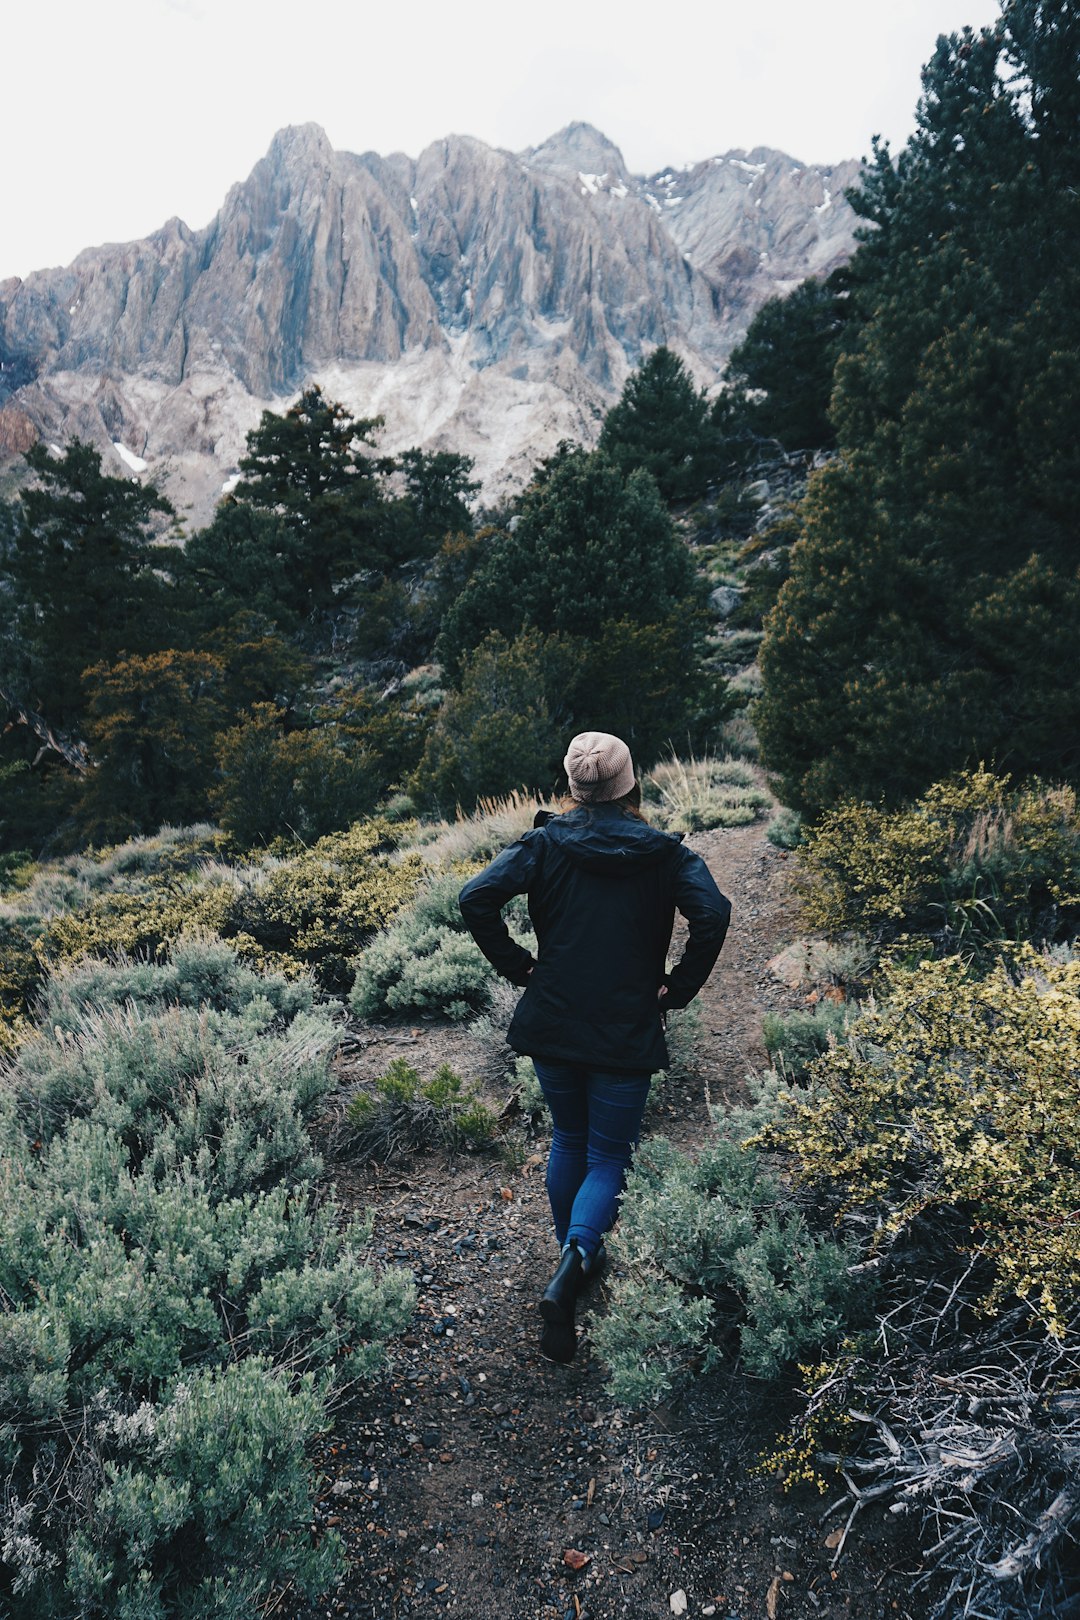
(579, 149)
(482, 301)
(299, 145)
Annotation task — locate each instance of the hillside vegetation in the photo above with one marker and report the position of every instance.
(245, 772)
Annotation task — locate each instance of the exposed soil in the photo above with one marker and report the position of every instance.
(473, 1477)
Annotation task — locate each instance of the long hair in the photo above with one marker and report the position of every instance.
(629, 803)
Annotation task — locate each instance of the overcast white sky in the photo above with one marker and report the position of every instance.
(121, 113)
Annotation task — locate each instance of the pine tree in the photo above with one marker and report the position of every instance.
(81, 574)
(310, 469)
(437, 492)
(245, 558)
(589, 545)
(780, 376)
(662, 423)
(914, 635)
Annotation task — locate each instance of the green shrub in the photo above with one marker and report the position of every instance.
(303, 783)
(696, 795)
(955, 1097)
(973, 861)
(426, 961)
(17, 866)
(20, 974)
(141, 922)
(704, 1241)
(785, 830)
(179, 1306)
(519, 699)
(403, 1112)
(794, 1039)
(737, 738)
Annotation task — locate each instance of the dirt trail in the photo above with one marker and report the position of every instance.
(463, 1480)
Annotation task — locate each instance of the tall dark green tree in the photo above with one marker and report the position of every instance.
(81, 574)
(662, 423)
(584, 613)
(246, 559)
(780, 376)
(936, 587)
(311, 468)
(589, 544)
(437, 494)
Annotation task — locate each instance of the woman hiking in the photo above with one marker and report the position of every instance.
(603, 888)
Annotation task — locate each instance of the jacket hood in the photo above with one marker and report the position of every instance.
(605, 839)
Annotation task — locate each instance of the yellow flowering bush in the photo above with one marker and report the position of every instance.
(319, 907)
(19, 977)
(973, 859)
(960, 1093)
(141, 922)
(312, 911)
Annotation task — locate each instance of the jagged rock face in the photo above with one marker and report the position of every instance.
(483, 301)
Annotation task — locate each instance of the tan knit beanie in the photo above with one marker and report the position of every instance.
(599, 767)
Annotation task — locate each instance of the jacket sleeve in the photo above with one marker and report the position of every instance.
(482, 900)
(708, 912)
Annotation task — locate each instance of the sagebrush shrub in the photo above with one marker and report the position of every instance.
(416, 968)
(197, 973)
(708, 1240)
(785, 830)
(794, 1039)
(199, 1507)
(526, 1087)
(64, 884)
(427, 961)
(685, 1034)
(696, 795)
(179, 1307)
(183, 1081)
(474, 838)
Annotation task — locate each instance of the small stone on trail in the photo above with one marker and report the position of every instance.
(574, 1559)
(476, 1499)
(656, 1518)
(677, 1601)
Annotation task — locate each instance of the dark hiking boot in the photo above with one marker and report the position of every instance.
(557, 1304)
(558, 1339)
(558, 1342)
(595, 1266)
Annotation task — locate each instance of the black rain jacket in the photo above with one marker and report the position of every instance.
(603, 889)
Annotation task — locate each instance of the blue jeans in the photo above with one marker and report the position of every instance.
(596, 1121)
